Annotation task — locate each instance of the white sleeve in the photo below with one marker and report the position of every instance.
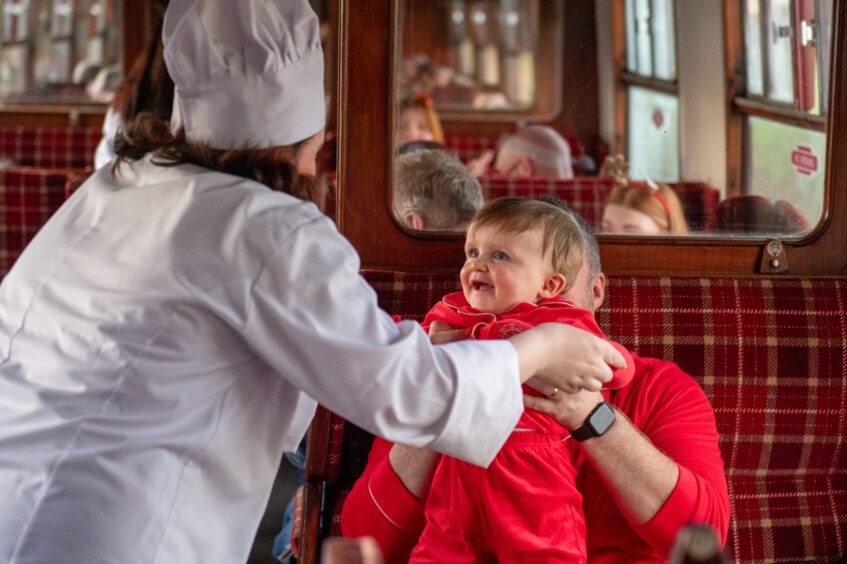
(315, 319)
(105, 151)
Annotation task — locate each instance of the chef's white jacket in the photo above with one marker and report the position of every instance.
(164, 338)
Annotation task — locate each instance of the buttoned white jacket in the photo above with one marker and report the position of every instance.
(165, 337)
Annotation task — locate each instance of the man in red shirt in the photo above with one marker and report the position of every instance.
(655, 469)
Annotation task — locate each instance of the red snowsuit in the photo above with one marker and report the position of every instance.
(525, 507)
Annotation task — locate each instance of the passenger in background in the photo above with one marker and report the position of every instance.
(639, 209)
(147, 88)
(752, 213)
(433, 191)
(418, 121)
(533, 150)
(644, 209)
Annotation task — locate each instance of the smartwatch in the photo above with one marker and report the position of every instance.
(596, 424)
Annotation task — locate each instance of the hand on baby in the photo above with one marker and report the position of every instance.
(440, 333)
(569, 409)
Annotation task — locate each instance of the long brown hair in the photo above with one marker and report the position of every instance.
(274, 167)
(148, 86)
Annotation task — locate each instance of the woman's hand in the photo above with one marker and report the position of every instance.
(440, 333)
(565, 357)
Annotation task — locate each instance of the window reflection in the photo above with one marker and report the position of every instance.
(60, 50)
(670, 114)
(490, 60)
(653, 135)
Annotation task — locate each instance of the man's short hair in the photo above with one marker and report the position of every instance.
(550, 152)
(591, 247)
(437, 187)
(561, 231)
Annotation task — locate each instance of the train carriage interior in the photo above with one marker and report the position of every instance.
(730, 112)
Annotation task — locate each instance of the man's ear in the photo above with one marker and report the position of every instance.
(598, 290)
(414, 221)
(554, 285)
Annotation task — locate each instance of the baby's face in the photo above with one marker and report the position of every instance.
(503, 269)
(413, 127)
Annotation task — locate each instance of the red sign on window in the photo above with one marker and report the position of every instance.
(804, 160)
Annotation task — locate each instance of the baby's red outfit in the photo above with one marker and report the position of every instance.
(524, 507)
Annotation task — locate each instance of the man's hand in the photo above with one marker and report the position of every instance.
(480, 165)
(570, 410)
(297, 522)
(440, 333)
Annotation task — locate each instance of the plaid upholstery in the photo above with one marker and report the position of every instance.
(469, 147)
(771, 355)
(28, 197)
(50, 147)
(588, 196)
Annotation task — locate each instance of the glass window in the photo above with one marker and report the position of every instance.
(66, 51)
(780, 53)
(643, 38)
(488, 60)
(653, 135)
(664, 39)
(753, 47)
(651, 38)
(787, 163)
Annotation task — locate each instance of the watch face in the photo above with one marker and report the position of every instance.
(602, 419)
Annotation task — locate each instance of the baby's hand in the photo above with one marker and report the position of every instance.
(440, 333)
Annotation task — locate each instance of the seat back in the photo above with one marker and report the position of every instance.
(50, 147)
(588, 195)
(771, 355)
(28, 197)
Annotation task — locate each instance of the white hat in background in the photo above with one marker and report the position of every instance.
(247, 72)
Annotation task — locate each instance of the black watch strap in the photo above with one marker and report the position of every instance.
(596, 424)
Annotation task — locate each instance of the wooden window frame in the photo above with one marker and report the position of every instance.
(740, 105)
(365, 180)
(626, 79)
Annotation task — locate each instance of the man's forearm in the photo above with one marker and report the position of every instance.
(639, 477)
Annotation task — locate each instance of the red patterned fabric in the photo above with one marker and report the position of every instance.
(50, 147)
(771, 355)
(469, 147)
(588, 196)
(28, 197)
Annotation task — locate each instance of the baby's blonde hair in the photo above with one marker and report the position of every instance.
(561, 234)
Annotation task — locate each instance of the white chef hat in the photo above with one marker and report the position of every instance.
(246, 72)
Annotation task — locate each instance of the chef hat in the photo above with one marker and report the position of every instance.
(246, 72)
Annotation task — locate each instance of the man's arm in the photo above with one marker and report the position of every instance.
(637, 474)
(666, 474)
(387, 502)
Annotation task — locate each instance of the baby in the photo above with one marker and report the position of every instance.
(521, 256)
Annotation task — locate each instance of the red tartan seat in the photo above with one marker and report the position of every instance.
(771, 355)
(588, 195)
(469, 147)
(28, 197)
(50, 147)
